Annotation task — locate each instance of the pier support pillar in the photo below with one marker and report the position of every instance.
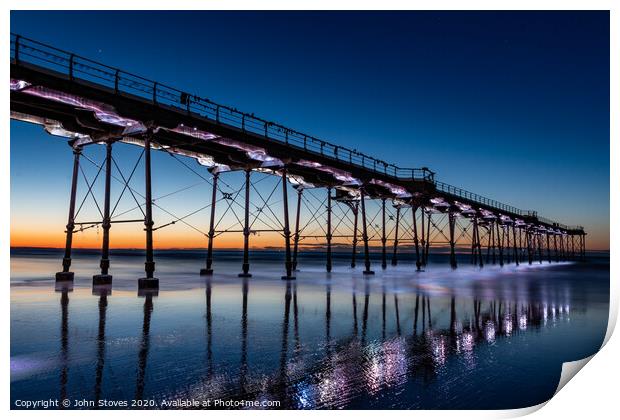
(561, 247)
(104, 277)
(328, 234)
(383, 237)
(296, 237)
(355, 208)
(148, 282)
(480, 263)
(500, 243)
(563, 244)
(514, 243)
(528, 239)
(428, 238)
(474, 256)
(367, 270)
(288, 264)
(65, 274)
(540, 252)
(476, 249)
(583, 246)
(548, 248)
(489, 229)
(245, 267)
(416, 242)
(575, 251)
(506, 245)
(494, 237)
(422, 238)
(209, 269)
(520, 244)
(451, 224)
(577, 239)
(395, 253)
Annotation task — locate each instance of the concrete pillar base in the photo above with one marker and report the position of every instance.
(245, 275)
(64, 276)
(369, 272)
(150, 283)
(288, 277)
(102, 279)
(206, 271)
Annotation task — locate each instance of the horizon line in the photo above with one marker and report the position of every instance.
(226, 249)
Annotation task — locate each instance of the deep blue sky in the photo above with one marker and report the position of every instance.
(511, 105)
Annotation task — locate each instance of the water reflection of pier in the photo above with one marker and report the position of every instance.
(373, 357)
(64, 290)
(387, 345)
(102, 291)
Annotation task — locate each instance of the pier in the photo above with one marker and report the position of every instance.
(356, 199)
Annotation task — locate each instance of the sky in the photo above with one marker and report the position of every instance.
(511, 105)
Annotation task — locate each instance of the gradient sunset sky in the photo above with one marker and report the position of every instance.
(510, 105)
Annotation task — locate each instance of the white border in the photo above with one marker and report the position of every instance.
(593, 394)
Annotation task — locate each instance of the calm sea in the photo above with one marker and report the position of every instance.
(463, 339)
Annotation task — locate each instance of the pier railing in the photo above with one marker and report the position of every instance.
(121, 82)
(559, 225)
(468, 195)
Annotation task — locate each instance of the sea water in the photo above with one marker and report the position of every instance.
(468, 338)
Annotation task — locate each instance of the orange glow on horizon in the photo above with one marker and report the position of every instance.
(124, 239)
(35, 237)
